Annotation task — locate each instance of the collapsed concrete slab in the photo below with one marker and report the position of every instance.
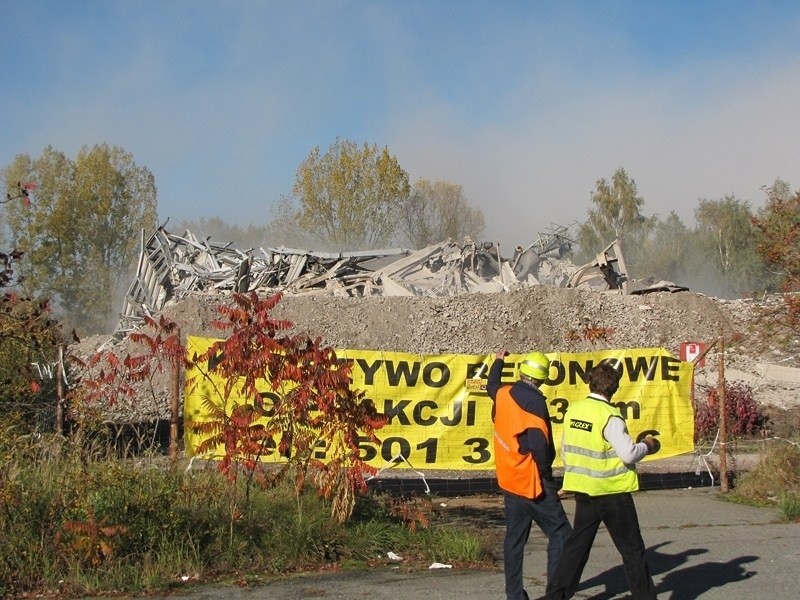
(172, 266)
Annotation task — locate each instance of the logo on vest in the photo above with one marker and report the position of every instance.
(582, 425)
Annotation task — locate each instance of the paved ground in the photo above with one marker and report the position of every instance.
(699, 547)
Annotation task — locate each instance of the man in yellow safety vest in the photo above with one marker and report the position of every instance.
(599, 457)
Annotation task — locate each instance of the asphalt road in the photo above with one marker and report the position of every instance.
(699, 546)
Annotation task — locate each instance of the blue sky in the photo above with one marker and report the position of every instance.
(525, 104)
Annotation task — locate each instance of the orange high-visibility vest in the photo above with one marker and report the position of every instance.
(516, 473)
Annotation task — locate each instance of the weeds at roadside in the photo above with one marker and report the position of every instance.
(80, 522)
(406, 525)
(775, 481)
(789, 506)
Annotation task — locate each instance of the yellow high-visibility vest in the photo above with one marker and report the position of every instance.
(590, 464)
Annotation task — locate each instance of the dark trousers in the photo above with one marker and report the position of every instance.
(520, 513)
(618, 513)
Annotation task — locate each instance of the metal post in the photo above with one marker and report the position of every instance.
(623, 267)
(500, 265)
(723, 422)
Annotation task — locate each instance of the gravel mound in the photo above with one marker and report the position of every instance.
(545, 318)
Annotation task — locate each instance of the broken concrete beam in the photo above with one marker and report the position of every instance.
(410, 261)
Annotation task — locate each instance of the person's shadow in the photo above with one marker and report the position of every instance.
(691, 582)
(683, 584)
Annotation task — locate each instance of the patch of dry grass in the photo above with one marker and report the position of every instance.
(776, 480)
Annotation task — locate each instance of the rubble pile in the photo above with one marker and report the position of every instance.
(543, 317)
(447, 298)
(173, 266)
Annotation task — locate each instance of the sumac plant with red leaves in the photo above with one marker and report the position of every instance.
(105, 379)
(590, 333)
(742, 412)
(298, 405)
(778, 225)
(29, 338)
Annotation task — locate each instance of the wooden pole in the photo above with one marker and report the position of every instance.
(60, 391)
(702, 355)
(174, 409)
(723, 422)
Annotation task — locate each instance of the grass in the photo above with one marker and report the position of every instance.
(79, 522)
(775, 481)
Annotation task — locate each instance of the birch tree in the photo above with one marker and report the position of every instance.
(436, 211)
(728, 239)
(616, 214)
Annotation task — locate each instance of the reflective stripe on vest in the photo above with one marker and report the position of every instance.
(516, 473)
(590, 464)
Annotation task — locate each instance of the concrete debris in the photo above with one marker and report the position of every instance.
(539, 317)
(172, 266)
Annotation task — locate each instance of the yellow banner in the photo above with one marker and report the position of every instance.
(440, 415)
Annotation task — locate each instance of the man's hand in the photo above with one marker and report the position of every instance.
(501, 354)
(653, 445)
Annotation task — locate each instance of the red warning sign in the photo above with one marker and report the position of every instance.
(691, 350)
